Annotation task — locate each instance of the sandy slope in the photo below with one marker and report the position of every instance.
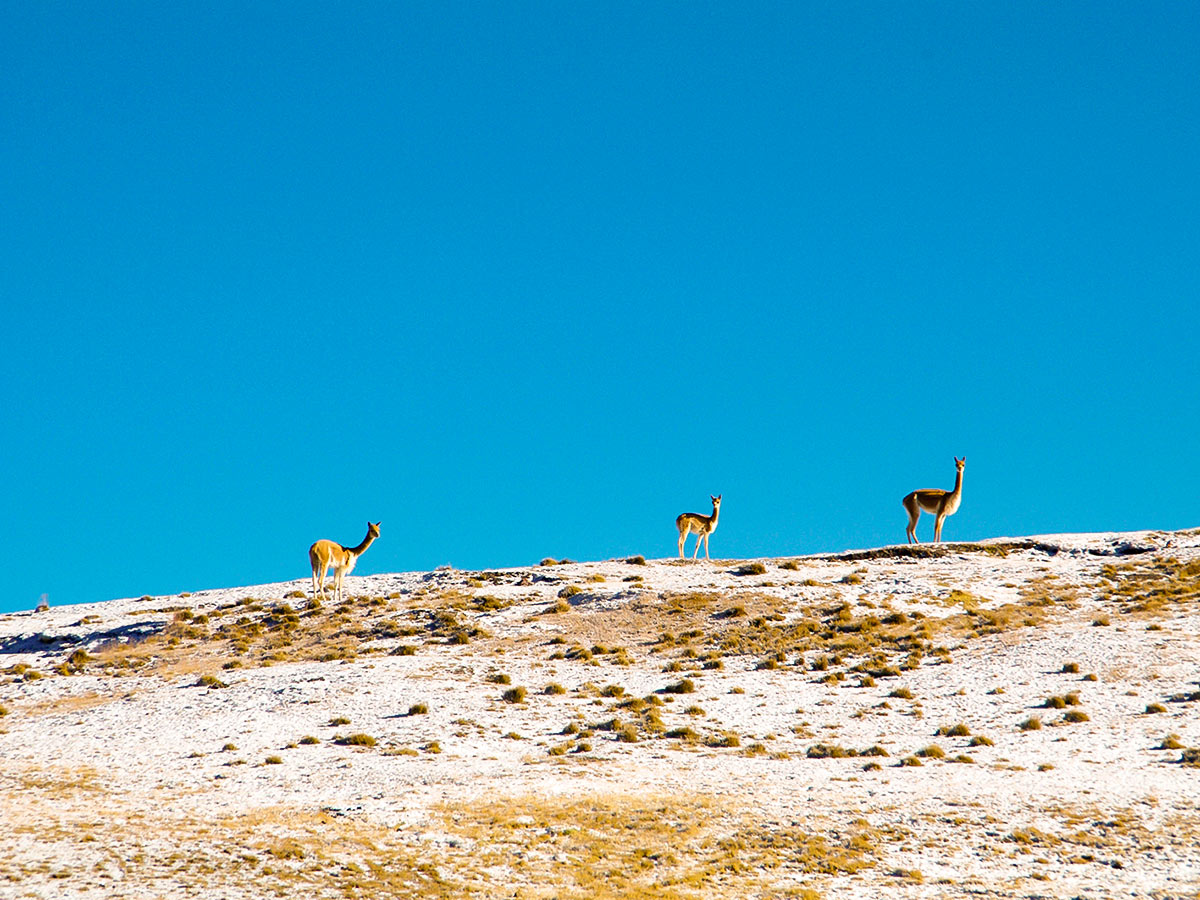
(115, 782)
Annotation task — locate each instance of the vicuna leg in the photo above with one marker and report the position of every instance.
(937, 527)
(706, 556)
(914, 513)
(682, 539)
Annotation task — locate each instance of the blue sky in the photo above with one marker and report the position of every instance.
(530, 279)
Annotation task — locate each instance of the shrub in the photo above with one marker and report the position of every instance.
(554, 688)
(418, 709)
(338, 720)
(570, 591)
(1033, 723)
(309, 739)
(981, 741)
(1075, 715)
(514, 695)
(636, 560)
(959, 730)
(755, 568)
(1170, 742)
(1070, 668)
(273, 761)
(403, 650)
(230, 747)
(902, 692)
(211, 682)
(933, 751)
(1190, 756)
(1155, 708)
(1101, 621)
(499, 678)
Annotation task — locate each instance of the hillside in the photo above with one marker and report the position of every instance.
(1013, 718)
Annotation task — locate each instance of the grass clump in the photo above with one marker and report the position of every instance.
(829, 751)
(933, 751)
(981, 740)
(959, 730)
(212, 682)
(1155, 708)
(418, 709)
(355, 740)
(273, 761)
(755, 568)
(1033, 723)
(309, 739)
(1070, 668)
(554, 688)
(1074, 716)
(901, 693)
(684, 686)
(1061, 702)
(338, 720)
(514, 695)
(724, 739)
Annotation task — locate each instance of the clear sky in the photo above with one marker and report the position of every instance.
(529, 279)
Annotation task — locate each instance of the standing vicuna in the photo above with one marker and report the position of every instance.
(324, 554)
(702, 525)
(934, 500)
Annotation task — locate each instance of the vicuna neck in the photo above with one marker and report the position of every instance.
(366, 542)
(716, 512)
(958, 483)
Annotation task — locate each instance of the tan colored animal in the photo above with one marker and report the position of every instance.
(324, 554)
(701, 525)
(934, 500)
